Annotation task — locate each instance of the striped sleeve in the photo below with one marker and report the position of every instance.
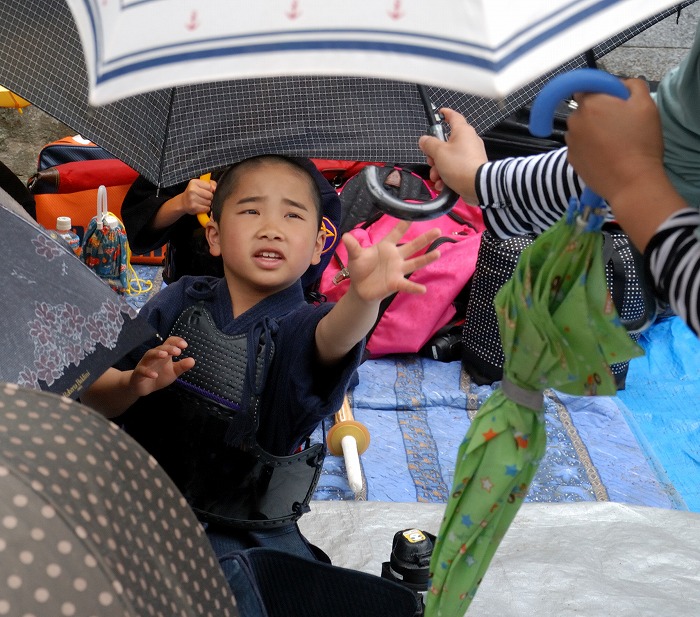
(526, 195)
(672, 260)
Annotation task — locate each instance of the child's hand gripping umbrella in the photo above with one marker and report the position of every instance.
(559, 329)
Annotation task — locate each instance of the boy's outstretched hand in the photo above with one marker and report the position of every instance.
(156, 368)
(380, 270)
(376, 272)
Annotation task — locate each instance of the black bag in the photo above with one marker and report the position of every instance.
(512, 137)
(482, 353)
(271, 583)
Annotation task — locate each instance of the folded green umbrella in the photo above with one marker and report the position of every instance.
(559, 330)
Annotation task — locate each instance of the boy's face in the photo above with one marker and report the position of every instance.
(268, 231)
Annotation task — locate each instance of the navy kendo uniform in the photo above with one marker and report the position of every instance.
(209, 443)
(231, 431)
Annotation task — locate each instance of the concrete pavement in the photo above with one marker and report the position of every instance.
(656, 50)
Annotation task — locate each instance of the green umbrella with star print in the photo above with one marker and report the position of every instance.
(560, 330)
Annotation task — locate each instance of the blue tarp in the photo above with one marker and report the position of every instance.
(662, 404)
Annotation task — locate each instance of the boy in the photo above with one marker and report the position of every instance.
(266, 226)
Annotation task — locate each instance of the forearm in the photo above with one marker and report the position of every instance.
(642, 204)
(526, 195)
(660, 224)
(170, 212)
(111, 394)
(345, 325)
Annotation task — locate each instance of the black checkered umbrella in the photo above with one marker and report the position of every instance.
(176, 134)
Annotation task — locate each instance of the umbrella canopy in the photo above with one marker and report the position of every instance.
(62, 325)
(175, 134)
(91, 525)
(485, 47)
(560, 330)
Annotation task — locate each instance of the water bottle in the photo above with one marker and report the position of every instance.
(64, 228)
(409, 563)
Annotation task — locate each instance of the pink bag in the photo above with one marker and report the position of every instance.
(409, 320)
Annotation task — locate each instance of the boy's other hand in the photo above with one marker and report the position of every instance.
(157, 370)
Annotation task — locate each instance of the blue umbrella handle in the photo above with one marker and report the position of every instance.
(564, 87)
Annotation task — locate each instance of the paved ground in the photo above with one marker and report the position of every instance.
(658, 49)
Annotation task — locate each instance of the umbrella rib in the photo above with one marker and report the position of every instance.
(165, 138)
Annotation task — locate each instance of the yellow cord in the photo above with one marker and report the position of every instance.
(137, 285)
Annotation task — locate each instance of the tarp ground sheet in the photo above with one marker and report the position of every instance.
(641, 447)
(662, 404)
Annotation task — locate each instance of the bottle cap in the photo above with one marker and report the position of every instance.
(63, 223)
(112, 221)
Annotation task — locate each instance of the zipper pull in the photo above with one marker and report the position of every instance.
(342, 275)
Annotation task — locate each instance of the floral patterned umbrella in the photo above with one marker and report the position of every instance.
(62, 325)
(560, 330)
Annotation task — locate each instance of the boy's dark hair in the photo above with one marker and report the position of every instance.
(228, 179)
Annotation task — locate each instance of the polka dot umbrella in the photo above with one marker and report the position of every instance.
(90, 525)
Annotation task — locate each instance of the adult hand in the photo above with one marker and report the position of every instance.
(615, 143)
(455, 162)
(616, 146)
(197, 197)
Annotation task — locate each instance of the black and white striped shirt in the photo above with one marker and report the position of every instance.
(526, 195)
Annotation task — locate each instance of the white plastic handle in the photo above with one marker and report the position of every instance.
(101, 204)
(352, 463)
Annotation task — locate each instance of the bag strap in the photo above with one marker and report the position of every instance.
(619, 279)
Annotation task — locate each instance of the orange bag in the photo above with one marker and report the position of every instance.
(70, 171)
